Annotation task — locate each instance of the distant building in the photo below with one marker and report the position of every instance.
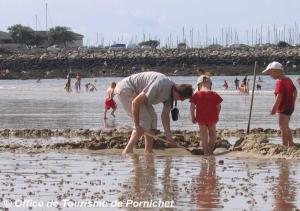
(146, 47)
(133, 46)
(118, 46)
(239, 46)
(78, 42)
(6, 41)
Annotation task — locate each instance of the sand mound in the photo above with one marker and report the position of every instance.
(260, 145)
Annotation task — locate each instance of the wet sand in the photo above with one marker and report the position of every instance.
(192, 182)
(251, 174)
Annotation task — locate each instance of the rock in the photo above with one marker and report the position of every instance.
(196, 151)
(96, 146)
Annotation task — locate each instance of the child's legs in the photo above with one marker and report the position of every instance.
(204, 138)
(212, 137)
(286, 134)
(105, 111)
(113, 111)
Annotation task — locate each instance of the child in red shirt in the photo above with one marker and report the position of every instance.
(207, 105)
(285, 97)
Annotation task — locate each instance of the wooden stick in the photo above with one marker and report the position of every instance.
(252, 97)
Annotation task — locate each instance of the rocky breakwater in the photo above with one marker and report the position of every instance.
(45, 64)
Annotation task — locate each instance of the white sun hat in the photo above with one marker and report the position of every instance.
(273, 66)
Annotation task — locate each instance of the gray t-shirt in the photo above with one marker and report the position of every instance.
(156, 86)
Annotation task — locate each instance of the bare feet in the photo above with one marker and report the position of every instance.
(126, 151)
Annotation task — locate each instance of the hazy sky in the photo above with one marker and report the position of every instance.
(127, 19)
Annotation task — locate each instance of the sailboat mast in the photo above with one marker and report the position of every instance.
(46, 17)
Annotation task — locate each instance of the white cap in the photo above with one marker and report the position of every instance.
(273, 66)
(203, 79)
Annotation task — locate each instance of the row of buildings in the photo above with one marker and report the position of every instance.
(7, 42)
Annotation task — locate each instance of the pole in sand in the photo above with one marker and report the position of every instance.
(253, 89)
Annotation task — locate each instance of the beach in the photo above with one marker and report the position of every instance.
(57, 152)
(149, 105)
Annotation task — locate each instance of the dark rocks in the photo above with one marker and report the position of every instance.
(42, 64)
(96, 146)
(222, 143)
(221, 162)
(196, 151)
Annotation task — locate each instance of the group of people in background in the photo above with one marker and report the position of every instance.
(243, 87)
(89, 87)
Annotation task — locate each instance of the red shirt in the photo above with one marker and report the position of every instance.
(286, 87)
(206, 107)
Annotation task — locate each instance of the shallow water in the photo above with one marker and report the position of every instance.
(28, 104)
(193, 182)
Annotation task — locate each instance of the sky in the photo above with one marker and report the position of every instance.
(127, 21)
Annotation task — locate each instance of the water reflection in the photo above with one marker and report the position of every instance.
(146, 184)
(170, 186)
(206, 194)
(143, 178)
(285, 191)
(109, 123)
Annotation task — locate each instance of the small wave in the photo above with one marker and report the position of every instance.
(8, 88)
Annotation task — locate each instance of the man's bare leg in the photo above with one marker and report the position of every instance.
(132, 141)
(148, 143)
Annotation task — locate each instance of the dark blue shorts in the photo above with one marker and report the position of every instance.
(288, 112)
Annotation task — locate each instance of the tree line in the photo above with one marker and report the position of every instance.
(59, 35)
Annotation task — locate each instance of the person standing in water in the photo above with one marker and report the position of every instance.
(138, 93)
(225, 85)
(68, 84)
(205, 109)
(285, 98)
(78, 82)
(237, 83)
(109, 100)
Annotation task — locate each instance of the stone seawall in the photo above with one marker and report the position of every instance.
(99, 62)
